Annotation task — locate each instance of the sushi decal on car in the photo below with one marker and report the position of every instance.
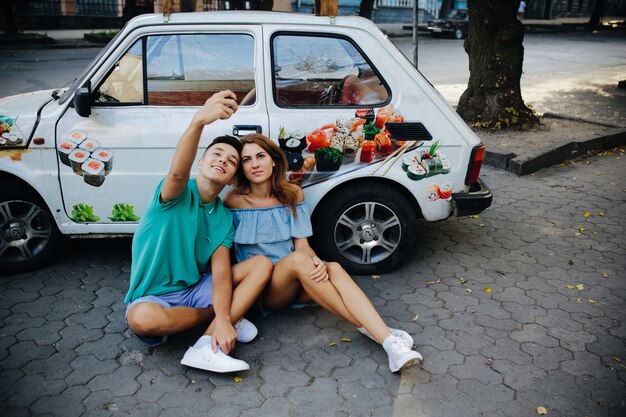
(346, 142)
(10, 134)
(86, 157)
(426, 163)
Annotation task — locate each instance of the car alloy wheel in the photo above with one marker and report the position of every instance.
(25, 230)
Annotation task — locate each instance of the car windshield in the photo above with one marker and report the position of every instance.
(81, 78)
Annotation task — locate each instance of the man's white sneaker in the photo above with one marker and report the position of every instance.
(400, 356)
(205, 358)
(246, 331)
(400, 334)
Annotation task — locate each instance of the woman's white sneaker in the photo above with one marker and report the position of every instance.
(205, 358)
(246, 331)
(400, 356)
(400, 334)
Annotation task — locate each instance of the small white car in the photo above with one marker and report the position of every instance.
(372, 143)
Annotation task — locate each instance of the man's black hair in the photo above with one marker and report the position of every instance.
(229, 140)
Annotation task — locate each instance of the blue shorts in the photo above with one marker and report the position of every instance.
(199, 295)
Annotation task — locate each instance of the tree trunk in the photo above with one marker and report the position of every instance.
(597, 13)
(446, 6)
(366, 9)
(8, 18)
(493, 98)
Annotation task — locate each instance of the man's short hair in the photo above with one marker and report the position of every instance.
(229, 140)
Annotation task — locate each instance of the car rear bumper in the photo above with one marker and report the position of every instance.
(436, 29)
(475, 201)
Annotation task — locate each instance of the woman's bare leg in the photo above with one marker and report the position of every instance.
(340, 295)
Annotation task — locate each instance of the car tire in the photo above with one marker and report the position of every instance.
(29, 237)
(458, 33)
(368, 230)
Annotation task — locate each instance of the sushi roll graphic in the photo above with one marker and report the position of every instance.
(416, 172)
(337, 142)
(445, 166)
(3, 141)
(64, 149)
(350, 146)
(93, 172)
(283, 136)
(11, 138)
(367, 151)
(89, 145)
(105, 156)
(77, 157)
(295, 145)
(433, 165)
(409, 161)
(77, 136)
(295, 161)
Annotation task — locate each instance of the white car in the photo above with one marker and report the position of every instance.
(370, 140)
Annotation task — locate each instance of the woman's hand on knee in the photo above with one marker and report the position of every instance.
(319, 274)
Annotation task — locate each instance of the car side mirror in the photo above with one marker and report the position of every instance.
(82, 100)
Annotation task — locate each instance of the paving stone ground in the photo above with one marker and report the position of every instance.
(550, 332)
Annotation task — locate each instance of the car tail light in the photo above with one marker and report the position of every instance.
(476, 162)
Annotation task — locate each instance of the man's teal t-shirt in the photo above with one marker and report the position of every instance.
(174, 241)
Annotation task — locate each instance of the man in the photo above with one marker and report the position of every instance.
(186, 232)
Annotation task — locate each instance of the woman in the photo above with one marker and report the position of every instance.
(271, 219)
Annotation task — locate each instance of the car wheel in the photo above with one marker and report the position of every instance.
(367, 230)
(29, 236)
(458, 33)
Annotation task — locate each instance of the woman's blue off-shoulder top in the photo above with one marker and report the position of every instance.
(269, 231)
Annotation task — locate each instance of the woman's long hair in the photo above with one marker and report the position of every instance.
(285, 192)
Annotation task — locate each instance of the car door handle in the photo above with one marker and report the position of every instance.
(241, 130)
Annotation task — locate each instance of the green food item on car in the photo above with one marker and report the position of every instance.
(123, 213)
(328, 159)
(83, 213)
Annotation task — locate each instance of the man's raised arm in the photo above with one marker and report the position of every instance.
(220, 105)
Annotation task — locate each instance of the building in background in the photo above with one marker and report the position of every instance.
(84, 14)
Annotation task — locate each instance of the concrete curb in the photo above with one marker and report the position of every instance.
(527, 165)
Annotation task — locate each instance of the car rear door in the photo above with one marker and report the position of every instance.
(140, 107)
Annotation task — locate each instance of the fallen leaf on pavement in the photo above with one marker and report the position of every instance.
(616, 359)
(542, 411)
(571, 262)
(474, 216)
(375, 276)
(570, 286)
(577, 234)
(417, 316)
(594, 233)
(591, 301)
(437, 281)
(488, 290)
(332, 344)
(601, 214)
(605, 275)
(580, 287)
(237, 379)
(463, 280)
(346, 339)
(579, 300)
(581, 229)
(469, 290)
(586, 214)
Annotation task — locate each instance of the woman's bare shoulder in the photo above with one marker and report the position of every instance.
(234, 199)
(299, 193)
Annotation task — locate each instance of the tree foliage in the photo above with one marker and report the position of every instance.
(493, 98)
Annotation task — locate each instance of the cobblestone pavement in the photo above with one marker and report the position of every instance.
(519, 308)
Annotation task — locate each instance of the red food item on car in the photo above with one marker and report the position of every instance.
(367, 151)
(318, 138)
(383, 143)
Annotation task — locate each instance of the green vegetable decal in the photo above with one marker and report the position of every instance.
(123, 213)
(370, 130)
(328, 159)
(83, 213)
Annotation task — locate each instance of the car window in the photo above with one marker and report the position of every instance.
(323, 71)
(184, 70)
(124, 84)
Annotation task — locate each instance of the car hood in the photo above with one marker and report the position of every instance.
(18, 116)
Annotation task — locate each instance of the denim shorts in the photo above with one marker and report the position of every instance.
(199, 295)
